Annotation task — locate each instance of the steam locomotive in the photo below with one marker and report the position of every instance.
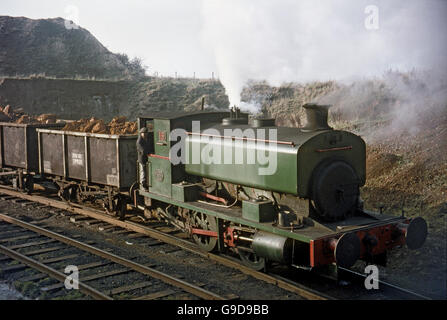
(268, 194)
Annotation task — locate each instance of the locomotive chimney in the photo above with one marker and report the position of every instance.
(316, 116)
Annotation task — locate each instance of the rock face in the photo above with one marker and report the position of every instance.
(75, 99)
(46, 46)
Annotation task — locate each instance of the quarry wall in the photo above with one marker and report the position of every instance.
(74, 99)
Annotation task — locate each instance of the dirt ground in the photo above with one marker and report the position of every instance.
(409, 170)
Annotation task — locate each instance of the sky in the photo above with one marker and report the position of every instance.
(165, 33)
(274, 40)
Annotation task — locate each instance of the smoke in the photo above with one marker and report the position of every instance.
(406, 101)
(310, 40)
(421, 100)
(252, 106)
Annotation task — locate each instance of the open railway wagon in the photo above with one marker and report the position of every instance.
(306, 213)
(79, 166)
(89, 166)
(19, 158)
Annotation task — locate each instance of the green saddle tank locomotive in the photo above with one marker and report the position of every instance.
(268, 193)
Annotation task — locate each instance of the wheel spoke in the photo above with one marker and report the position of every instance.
(205, 222)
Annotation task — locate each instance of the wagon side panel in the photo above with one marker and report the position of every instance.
(128, 160)
(52, 152)
(32, 157)
(76, 161)
(103, 161)
(15, 146)
(1, 147)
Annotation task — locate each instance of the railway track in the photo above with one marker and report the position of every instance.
(63, 243)
(167, 236)
(391, 289)
(171, 239)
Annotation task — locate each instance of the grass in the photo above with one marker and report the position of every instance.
(43, 76)
(28, 288)
(72, 295)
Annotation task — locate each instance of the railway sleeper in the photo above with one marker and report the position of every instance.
(88, 278)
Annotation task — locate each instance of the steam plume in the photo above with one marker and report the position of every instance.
(309, 40)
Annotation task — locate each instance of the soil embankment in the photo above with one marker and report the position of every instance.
(75, 99)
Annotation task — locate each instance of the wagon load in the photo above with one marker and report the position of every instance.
(118, 126)
(4, 117)
(47, 118)
(9, 114)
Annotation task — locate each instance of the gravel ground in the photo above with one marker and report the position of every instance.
(167, 258)
(7, 292)
(422, 270)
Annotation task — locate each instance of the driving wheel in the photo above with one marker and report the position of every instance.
(205, 222)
